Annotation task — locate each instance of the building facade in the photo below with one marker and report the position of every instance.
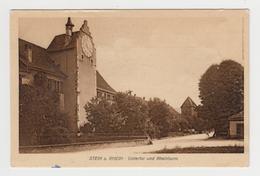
(236, 125)
(69, 63)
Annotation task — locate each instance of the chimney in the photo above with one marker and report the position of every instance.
(69, 27)
(28, 53)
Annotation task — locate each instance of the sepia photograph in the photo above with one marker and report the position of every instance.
(129, 88)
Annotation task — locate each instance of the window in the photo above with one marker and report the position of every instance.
(56, 86)
(52, 84)
(49, 83)
(99, 94)
(61, 87)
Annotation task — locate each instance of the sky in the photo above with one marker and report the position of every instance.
(153, 53)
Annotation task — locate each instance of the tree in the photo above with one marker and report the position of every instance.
(203, 123)
(100, 114)
(179, 124)
(38, 112)
(161, 115)
(126, 114)
(222, 93)
(132, 115)
(134, 110)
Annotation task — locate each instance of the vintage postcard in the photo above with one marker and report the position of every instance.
(135, 88)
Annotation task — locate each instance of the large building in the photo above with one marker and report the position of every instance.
(69, 63)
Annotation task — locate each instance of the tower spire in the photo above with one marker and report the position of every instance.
(69, 26)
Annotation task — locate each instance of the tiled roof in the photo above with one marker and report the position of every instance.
(63, 42)
(239, 116)
(40, 59)
(102, 84)
(189, 102)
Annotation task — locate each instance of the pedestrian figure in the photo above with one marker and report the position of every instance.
(150, 142)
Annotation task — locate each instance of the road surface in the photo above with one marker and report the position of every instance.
(196, 140)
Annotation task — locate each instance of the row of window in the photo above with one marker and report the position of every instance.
(51, 83)
(55, 85)
(105, 95)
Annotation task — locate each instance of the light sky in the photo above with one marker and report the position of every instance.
(153, 53)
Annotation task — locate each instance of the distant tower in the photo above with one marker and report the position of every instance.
(188, 108)
(69, 27)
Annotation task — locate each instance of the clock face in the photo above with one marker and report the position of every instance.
(87, 46)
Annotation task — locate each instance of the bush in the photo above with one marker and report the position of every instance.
(86, 128)
(55, 135)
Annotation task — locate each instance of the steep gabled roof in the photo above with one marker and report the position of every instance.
(40, 59)
(102, 84)
(63, 42)
(189, 102)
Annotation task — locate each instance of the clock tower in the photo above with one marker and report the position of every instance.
(75, 54)
(86, 70)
